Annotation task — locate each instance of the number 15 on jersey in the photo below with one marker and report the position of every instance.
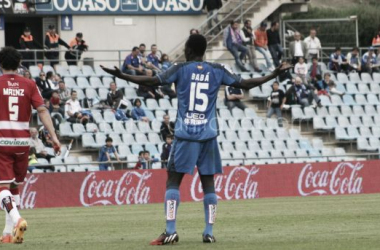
(196, 93)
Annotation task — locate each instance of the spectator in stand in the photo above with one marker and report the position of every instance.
(167, 127)
(338, 61)
(141, 161)
(27, 42)
(369, 61)
(233, 97)
(261, 44)
(248, 39)
(55, 103)
(300, 69)
(50, 78)
(73, 110)
(142, 49)
(153, 60)
(77, 47)
(194, 32)
(376, 39)
(115, 97)
(327, 86)
(63, 92)
(37, 144)
(274, 43)
(354, 61)
(297, 48)
(276, 103)
(27, 75)
(138, 113)
(313, 44)
(149, 92)
(148, 160)
(301, 94)
(133, 64)
(44, 86)
(315, 71)
(107, 152)
(165, 62)
(212, 7)
(166, 148)
(52, 42)
(234, 43)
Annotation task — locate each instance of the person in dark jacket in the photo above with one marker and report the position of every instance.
(166, 148)
(248, 38)
(27, 42)
(78, 46)
(52, 42)
(212, 7)
(115, 96)
(43, 85)
(167, 127)
(274, 43)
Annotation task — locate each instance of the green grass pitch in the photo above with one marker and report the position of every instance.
(340, 222)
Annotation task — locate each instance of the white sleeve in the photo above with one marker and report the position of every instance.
(245, 39)
(227, 90)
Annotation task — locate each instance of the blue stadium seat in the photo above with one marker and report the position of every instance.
(348, 100)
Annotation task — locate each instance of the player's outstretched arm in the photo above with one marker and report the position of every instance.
(141, 80)
(255, 82)
(45, 118)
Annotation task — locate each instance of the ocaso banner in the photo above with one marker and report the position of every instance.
(243, 182)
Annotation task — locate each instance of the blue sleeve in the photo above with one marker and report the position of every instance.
(229, 78)
(113, 149)
(135, 116)
(128, 60)
(169, 76)
(149, 58)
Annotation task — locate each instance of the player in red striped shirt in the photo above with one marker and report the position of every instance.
(17, 97)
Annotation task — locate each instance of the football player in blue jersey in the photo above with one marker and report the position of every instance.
(196, 129)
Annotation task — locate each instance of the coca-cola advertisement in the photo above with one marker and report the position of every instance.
(244, 182)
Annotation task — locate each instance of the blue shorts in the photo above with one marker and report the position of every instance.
(185, 155)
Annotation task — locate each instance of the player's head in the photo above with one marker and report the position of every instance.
(10, 59)
(109, 142)
(275, 85)
(74, 95)
(113, 86)
(33, 132)
(195, 47)
(169, 139)
(137, 102)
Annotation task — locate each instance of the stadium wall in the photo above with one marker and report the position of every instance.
(101, 33)
(244, 182)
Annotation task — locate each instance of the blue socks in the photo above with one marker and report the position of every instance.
(171, 206)
(210, 201)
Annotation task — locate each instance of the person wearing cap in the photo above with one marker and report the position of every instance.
(261, 44)
(354, 60)
(369, 61)
(27, 42)
(77, 47)
(297, 49)
(52, 42)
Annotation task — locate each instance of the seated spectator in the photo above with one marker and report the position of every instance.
(141, 161)
(315, 71)
(152, 59)
(32, 159)
(338, 61)
(38, 145)
(138, 113)
(300, 69)
(301, 94)
(133, 64)
(166, 148)
(167, 127)
(369, 61)
(194, 32)
(27, 75)
(50, 78)
(44, 86)
(73, 110)
(55, 103)
(148, 160)
(150, 92)
(107, 152)
(276, 103)
(234, 43)
(120, 115)
(330, 85)
(261, 44)
(115, 97)
(233, 97)
(63, 92)
(354, 61)
(165, 62)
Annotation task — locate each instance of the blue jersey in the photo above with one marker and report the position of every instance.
(197, 85)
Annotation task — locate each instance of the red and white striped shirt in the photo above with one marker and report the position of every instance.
(17, 97)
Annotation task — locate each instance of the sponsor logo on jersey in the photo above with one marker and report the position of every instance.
(171, 209)
(12, 142)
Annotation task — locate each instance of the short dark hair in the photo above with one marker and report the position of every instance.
(113, 83)
(197, 44)
(109, 139)
(313, 29)
(141, 152)
(146, 152)
(136, 100)
(153, 45)
(338, 49)
(49, 74)
(273, 23)
(142, 44)
(61, 82)
(326, 74)
(314, 58)
(275, 82)
(10, 58)
(246, 21)
(233, 22)
(169, 136)
(73, 91)
(355, 48)
(163, 57)
(135, 48)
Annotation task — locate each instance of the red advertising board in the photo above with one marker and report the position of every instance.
(244, 182)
